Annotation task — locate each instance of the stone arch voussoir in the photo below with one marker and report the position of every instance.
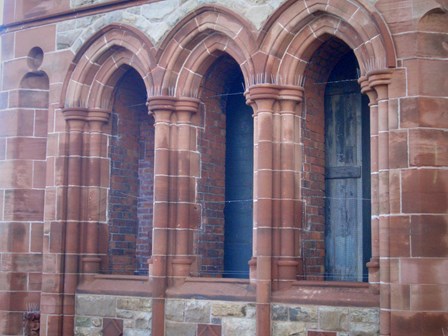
(299, 27)
(196, 41)
(93, 70)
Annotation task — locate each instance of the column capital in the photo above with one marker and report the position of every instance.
(289, 97)
(161, 107)
(99, 115)
(368, 90)
(262, 96)
(76, 117)
(185, 107)
(379, 81)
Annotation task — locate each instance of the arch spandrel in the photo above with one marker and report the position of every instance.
(93, 66)
(195, 42)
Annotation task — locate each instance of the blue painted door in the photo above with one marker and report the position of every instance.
(239, 188)
(347, 176)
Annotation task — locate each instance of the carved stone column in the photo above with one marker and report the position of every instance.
(91, 260)
(379, 81)
(262, 98)
(185, 108)
(76, 121)
(288, 259)
(161, 108)
(374, 263)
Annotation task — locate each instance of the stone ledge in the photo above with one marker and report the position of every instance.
(348, 294)
(129, 285)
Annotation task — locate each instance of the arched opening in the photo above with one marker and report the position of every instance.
(226, 187)
(336, 168)
(131, 152)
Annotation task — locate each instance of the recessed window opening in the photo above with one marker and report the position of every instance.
(226, 186)
(347, 175)
(131, 178)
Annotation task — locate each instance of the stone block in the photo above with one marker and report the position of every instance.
(333, 318)
(364, 315)
(136, 332)
(233, 326)
(249, 310)
(303, 314)
(83, 321)
(288, 328)
(174, 310)
(197, 311)
(176, 329)
(136, 304)
(96, 305)
(228, 309)
(125, 314)
(79, 331)
(143, 320)
(158, 11)
(279, 313)
(364, 329)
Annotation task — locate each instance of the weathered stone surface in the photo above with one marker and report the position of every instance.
(228, 309)
(333, 318)
(155, 19)
(83, 321)
(233, 326)
(364, 315)
(174, 310)
(139, 304)
(364, 329)
(96, 305)
(197, 311)
(135, 332)
(79, 331)
(176, 329)
(279, 313)
(303, 314)
(125, 314)
(288, 328)
(249, 310)
(143, 320)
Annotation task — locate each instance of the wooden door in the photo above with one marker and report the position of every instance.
(239, 188)
(347, 183)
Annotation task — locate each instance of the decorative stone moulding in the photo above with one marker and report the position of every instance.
(261, 91)
(75, 113)
(379, 80)
(161, 103)
(98, 114)
(291, 92)
(274, 91)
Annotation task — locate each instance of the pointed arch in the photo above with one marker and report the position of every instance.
(100, 63)
(196, 42)
(299, 27)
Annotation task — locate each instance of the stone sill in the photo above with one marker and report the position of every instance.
(332, 293)
(356, 294)
(108, 284)
(214, 289)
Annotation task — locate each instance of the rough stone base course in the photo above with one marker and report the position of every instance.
(190, 317)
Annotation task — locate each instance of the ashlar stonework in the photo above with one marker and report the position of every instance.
(211, 167)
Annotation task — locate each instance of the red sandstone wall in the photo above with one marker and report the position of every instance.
(33, 171)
